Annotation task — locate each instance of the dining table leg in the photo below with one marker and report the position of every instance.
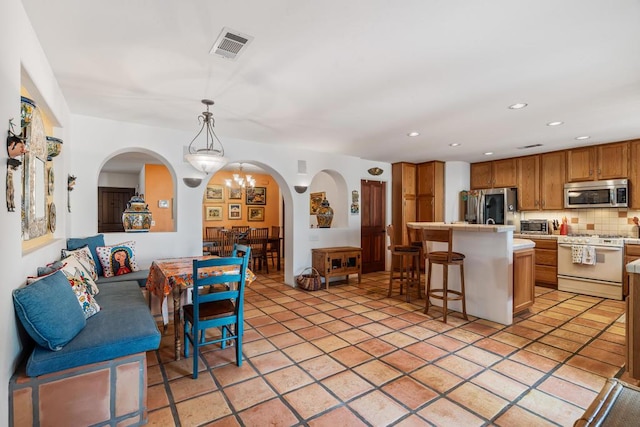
(177, 324)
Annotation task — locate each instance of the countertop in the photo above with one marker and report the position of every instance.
(490, 228)
(519, 244)
(627, 240)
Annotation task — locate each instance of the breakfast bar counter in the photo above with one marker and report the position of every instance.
(488, 268)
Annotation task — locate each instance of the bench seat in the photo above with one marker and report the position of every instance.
(139, 276)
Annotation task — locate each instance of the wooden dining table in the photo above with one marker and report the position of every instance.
(172, 276)
(212, 246)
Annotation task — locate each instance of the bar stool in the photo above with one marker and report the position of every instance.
(444, 258)
(412, 267)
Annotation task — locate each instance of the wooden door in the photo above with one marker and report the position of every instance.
(112, 201)
(528, 183)
(613, 160)
(481, 175)
(504, 173)
(581, 164)
(552, 178)
(372, 227)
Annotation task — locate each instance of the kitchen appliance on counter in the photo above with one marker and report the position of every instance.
(613, 193)
(490, 206)
(534, 226)
(591, 265)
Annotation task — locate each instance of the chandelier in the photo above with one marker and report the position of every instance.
(210, 158)
(240, 180)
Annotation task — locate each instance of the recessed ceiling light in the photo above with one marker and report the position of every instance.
(517, 106)
(583, 137)
(488, 153)
(554, 123)
(412, 134)
(454, 144)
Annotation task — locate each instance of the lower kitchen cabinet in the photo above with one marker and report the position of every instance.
(523, 279)
(631, 253)
(546, 262)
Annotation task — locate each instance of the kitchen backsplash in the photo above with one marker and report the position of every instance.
(589, 221)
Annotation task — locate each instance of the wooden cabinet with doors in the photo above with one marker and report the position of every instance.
(546, 262)
(337, 261)
(631, 253)
(634, 174)
(495, 174)
(608, 161)
(430, 192)
(523, 279)
(403, 199)
(541, 181)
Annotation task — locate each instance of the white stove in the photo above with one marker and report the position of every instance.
(593, 239)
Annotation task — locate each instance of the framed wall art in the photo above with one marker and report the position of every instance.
(213, 213)
(257, 196)
(235, 193)
(235, 211)
(255, 214)
(215, 192)
(315, 201)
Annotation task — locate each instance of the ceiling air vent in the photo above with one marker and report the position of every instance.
(529, 146)
(230, 43)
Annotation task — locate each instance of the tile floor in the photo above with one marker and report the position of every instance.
(351, 356)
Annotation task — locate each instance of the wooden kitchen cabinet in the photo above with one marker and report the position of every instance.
(552, 179)
(495, 174)
(546, 262)
(337, 261)
(523, 279)
(403, 199)
(631, 253)
(607, 161)
(528, 183)
(632, 333)
(634, 174)
(430, 192)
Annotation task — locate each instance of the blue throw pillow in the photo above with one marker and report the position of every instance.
(49, 311)
(92, 242)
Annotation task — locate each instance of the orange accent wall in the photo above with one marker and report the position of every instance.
(159, 186)
(271, 208)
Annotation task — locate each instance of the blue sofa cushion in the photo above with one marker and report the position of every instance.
(124, 326)
(49, 311)
(139, 276)
(92, 242)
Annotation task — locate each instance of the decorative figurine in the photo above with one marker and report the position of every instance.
(324, 215)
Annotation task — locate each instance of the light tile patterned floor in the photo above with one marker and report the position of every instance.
(350, 356)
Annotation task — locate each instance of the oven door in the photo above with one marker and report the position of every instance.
(608, 265)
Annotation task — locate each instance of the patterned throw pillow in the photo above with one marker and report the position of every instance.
(83, 255)
(117, 259)
(73, 268)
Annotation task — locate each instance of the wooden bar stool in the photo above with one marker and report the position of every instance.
(411, 265)
(444, 258)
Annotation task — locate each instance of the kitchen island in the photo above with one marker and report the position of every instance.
(488, 266)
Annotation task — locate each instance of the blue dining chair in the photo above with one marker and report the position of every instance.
(217, 307)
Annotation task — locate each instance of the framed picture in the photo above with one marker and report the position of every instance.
(257, 196)
(235, 211)
(215, 192)
(255, 214)
(315, 201)
(235, 193)
(213, 213)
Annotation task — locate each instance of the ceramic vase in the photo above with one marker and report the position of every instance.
(54, 147)
(137, 217)
(324, 215)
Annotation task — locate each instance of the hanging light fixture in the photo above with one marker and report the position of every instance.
(240, 180)
(211, 158)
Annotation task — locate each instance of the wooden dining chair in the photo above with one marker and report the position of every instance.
(212, 240)
(229, 239)
(222, 309)
(258, 238)
(240, 228)
(274, 242)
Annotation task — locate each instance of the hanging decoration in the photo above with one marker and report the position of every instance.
(71, 181)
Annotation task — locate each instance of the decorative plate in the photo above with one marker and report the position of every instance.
(51, 181)
(52, 217)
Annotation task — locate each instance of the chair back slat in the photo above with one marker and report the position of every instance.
(441, 236)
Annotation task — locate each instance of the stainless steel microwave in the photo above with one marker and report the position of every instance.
(612, 193)
(534, 226)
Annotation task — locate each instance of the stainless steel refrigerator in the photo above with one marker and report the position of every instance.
(490, 206)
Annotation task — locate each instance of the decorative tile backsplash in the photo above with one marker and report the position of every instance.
(591, 221)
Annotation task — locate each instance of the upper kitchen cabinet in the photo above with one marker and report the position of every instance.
(495, 174)
(403, 199)
(607, 161)
(430, 195)
(541, 181)
(634, 174)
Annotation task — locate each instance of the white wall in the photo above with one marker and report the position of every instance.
(121, 180)
(456, 179)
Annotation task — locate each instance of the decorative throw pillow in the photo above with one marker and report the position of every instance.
(88, 304)
(51, 325)
(117, 259)
(49, 268)
(83, 255)
(73, 268)
(92, 242)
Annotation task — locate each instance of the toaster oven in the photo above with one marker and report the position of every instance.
(534, 226)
